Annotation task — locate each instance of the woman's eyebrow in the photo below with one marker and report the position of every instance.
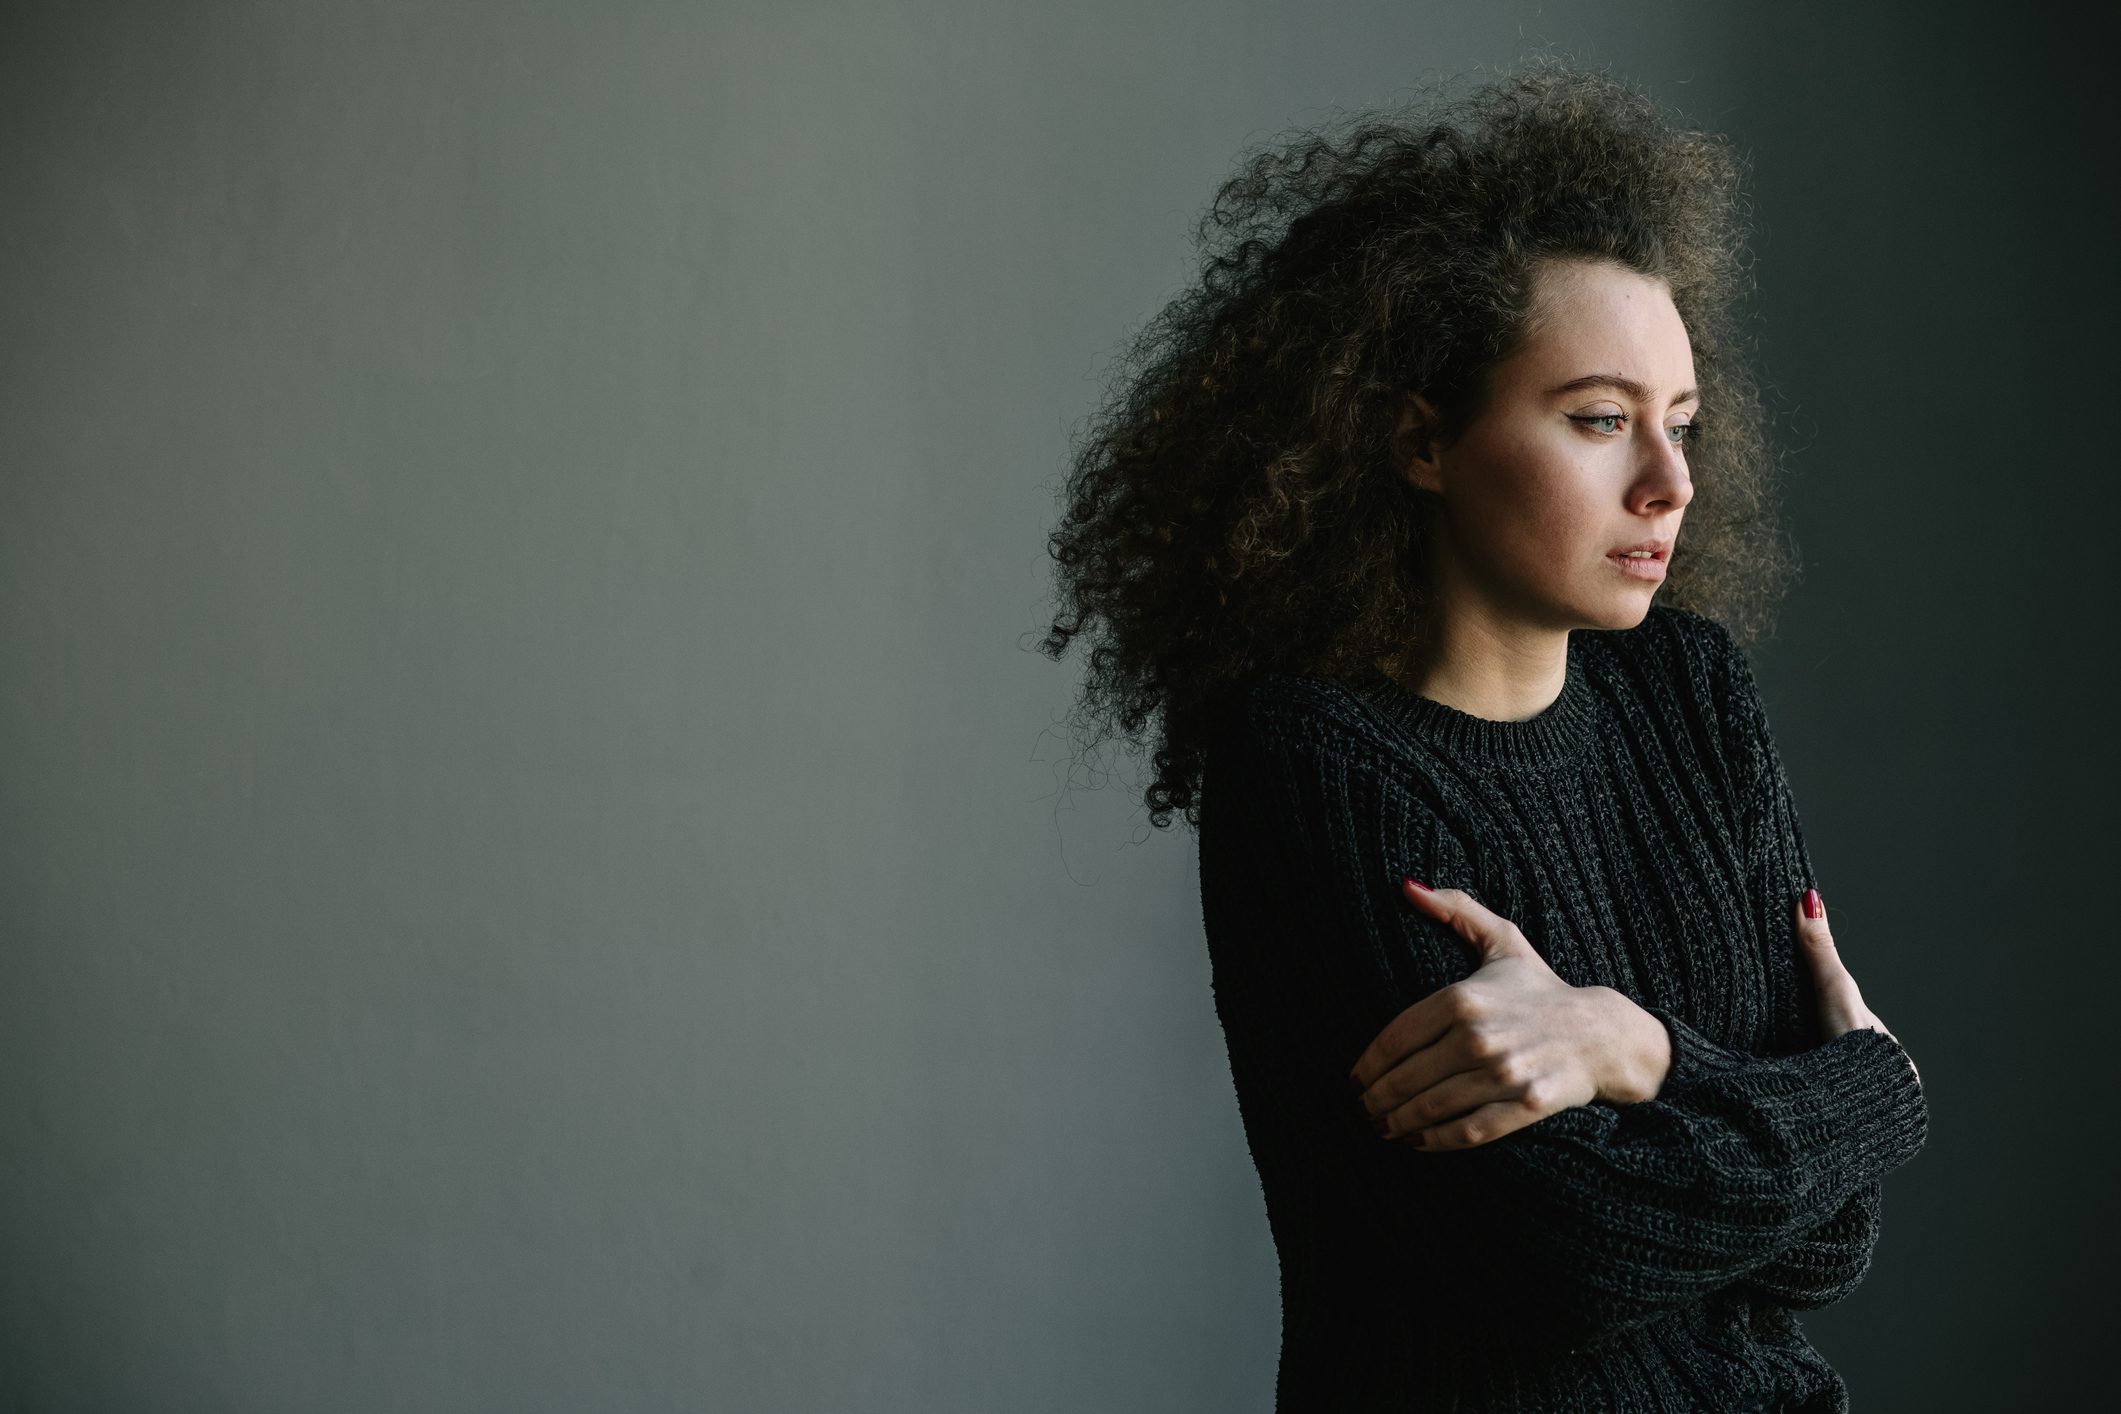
(1616, 380)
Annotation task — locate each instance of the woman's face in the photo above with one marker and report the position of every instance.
(1577, 456)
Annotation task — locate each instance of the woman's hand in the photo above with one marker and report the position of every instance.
(1841, 1008)
(1507, 1046)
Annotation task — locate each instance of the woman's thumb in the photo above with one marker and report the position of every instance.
(1491, 934)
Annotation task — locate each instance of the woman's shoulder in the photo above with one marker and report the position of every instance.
(1317, 754)
(1284, 709)
(1332, 744)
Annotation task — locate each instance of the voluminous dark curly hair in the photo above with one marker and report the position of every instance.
(1233, 508)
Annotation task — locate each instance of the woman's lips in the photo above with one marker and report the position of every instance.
(1639, 567)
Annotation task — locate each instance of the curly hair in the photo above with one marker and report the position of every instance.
(1232, 508)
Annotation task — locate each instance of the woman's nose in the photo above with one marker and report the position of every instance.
(1666, 468)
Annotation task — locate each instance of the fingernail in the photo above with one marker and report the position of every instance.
(1814, 906)
(1355, 1084)
(1377, 1127)
(1419, 1141)
(1419, 885)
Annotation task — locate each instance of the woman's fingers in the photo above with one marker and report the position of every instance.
(1404, 1057)
(1483, 1125)
(1841, 1006)
(1831, 982)
(1409, 1056)
(1447, 1099)
(1476, 1059)
(1815, 941)
(1429, 1113)
(1407, 1036)
(1815, 937)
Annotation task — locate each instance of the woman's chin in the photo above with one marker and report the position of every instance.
(1626, 610)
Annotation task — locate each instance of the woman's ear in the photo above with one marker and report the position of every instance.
(1415, 444)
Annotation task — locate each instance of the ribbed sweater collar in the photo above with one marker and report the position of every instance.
(1554, 735)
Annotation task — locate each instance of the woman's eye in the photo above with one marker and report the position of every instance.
(1686, 431)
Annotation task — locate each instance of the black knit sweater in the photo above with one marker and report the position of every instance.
(1640, 832)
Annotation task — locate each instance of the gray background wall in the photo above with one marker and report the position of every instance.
(538, 869)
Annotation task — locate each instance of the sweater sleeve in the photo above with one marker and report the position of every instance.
(1828, 1262)
(1587, 1223)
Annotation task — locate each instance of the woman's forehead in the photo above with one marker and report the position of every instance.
(1605, 322)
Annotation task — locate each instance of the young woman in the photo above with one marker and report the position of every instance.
(1559, 1093)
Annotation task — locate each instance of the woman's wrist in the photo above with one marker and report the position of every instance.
(1637, 1049)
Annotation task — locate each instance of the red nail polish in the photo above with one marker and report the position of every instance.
(1420, 885)
(1814, 906)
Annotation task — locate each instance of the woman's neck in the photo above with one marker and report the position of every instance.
(1504, 673)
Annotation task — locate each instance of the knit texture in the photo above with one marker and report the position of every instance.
(1640, 832)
